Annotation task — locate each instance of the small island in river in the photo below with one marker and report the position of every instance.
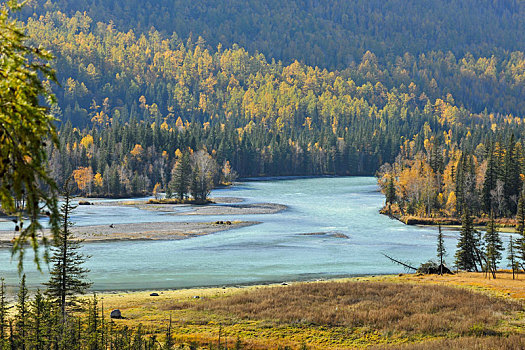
(222, 207)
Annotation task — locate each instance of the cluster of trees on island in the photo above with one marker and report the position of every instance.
(133, 160)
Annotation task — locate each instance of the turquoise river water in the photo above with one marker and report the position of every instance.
(273, 251)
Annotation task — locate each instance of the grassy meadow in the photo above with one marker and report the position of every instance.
(464, 311)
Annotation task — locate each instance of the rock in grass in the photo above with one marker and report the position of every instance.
(116, 314)
(154, 295)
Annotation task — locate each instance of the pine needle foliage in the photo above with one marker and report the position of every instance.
(466, 256)
(493, 247)
(25, 125)
(68, 276)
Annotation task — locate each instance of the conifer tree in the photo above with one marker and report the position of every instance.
(390, 192)
(40, 317)
(493, 247)
(3, 315)
(22, 313)
(520, 228)
(168, 344)
(513, 264)
(25, 124)
(181, 176)
(459, 190)
(466, 253)
(489, 182)
(441, 251)
(169, 192)
(196, 185)
(511, 173)
(67, 274)
(94, 325)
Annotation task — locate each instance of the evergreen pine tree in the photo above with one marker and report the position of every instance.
(169, 192)
(195, 187)
(67, 274)
(459, 190)
(390, 192)
(168, 344)
(512, 257)
(466, 254)
(511, 174)
(441, 251)
(22, 313)
(489, 183)
(181, 176)
(94, 325)
(3, 315)
(493, 246)
(40, 317)
(520, 228)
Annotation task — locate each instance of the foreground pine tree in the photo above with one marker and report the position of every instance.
(511, 257)
(3, 315)
(493, 247)
(520, 229)
(22, 313)
(41, 320)
(467, 253)
(441, 251)
(68, 277)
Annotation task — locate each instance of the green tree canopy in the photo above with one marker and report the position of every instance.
(25, 125)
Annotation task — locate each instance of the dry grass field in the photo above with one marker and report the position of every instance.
(465, 311)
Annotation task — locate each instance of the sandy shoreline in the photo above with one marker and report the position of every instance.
(142, 231)
(221, 206)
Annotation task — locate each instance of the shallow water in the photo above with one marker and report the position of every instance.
(278, 249)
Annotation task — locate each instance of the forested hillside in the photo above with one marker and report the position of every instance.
(443, 179)
(125, 84)
(466, 48)
(330, 34)
(266, 118)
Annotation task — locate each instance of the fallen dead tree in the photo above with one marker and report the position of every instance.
(429, 267)
(405, 265)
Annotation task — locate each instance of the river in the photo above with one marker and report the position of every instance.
(281, 248)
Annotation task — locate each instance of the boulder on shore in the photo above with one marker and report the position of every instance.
(116, 314)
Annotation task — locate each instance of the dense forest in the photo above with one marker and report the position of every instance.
(468, 49)
(328, 34)
(442, 180)
(133, 99)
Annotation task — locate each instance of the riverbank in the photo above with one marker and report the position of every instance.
(223, 207)
(377, 311)
(218, 207)
(505, 224)
(142, 231)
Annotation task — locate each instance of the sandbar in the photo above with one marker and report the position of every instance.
(141, 231)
